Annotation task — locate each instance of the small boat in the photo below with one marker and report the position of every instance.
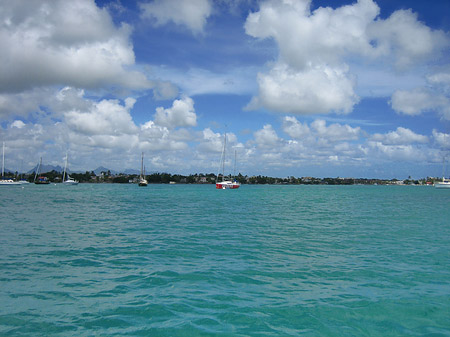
(142, 180)
(40, 180)
(4, 181)
(69, 180)
(445, 183)
(226, 184)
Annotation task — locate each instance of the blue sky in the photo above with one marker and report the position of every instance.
(302, 88)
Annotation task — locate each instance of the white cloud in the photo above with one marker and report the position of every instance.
(294, 128)
(415, 102)
(210, 141)
(318, 129)
(314, 90)
(189, 13)
(321, 37)
(181, 113)
(441, 139)
(159, 138)
(266, 137)
(407, 39)
(316, 50)
(17, 124)
(107, 117)
(397, 153)
(401, 136)
(441, 78)
(64, 42)
(335, 132)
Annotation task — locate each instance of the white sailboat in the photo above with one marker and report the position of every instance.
(69, 180)
(142, 180)
(225, 184)
(445, 183)
(4, 181)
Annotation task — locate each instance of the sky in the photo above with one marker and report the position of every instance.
(300, 88)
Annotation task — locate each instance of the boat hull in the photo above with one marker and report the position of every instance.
(143, 182)
(227, 185)
(442, 185)
(70, 182)
(42, 181)
(10, 182)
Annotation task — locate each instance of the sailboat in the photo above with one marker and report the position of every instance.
(69, 180)
(445, 183)
(4, 181)
(40, 180)
(142, 180)
(225, 184)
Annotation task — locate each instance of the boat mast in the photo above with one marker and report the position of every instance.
(38, 170)
(223, 154)
(234, 171)
(3, 161)
(222, 160)
(443, 168)
(65, 168)
(142, 165)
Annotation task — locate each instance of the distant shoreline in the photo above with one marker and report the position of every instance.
(167, 178)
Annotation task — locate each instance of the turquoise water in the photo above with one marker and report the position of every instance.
(190, 260)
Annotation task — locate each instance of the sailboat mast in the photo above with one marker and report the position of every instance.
(65, 168)
(443, 168)
(223, 155)
(3, 161)
(142, 165)
(38, 170)
(234, 171)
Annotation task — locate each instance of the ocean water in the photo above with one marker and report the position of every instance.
(190, 260)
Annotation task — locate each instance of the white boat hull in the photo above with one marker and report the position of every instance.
(445, 184)
(70, 182)
(10, 182)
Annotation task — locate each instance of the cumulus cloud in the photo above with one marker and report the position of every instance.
(312, 74)
(406, 38)
(266, 137)
(316, 90)
(318, 129)
(294, 128)
(107, 117)
(64, 43)
(417, 101)
(397, 153)
(189, 13)
(321, 37)
(442, 139)
(335, 132)
(401, 136)
(210, 141)
(159, 138)
(72, 120)
(181, 113)
(17, 124)
(441, 78)
(413, 102)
